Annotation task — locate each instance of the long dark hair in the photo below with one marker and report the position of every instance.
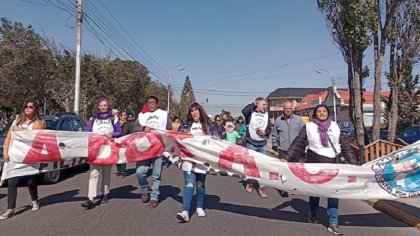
(96, 112)
(204, 118)
(317, 107)
(22, 116)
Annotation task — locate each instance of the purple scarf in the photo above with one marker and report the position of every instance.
(323, 126)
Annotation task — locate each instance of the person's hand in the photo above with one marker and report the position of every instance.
(283, 160)
(275, 148)
(147, 129)
(261, 132)
(109, 136)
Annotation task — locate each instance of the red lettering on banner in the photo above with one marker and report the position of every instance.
(351, 179)
(176, 136)
(323, 176)
(273, 176)
(43, 141)
(132, 153)
(96, 142)
(240, 155)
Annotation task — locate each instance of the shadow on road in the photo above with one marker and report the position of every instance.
(301, 206)
(124, 192)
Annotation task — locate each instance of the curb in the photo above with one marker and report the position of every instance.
(395, 212)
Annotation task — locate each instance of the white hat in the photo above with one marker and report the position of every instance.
(114, 112)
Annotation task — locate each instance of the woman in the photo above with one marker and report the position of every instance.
(198, 123)
(176, 122)
(28, 119)
(102, 122)
(325, 142)
(122, 119)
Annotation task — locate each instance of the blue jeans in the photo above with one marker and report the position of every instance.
(192, 179)
(332, 208)
(142, 170)
(260, 149)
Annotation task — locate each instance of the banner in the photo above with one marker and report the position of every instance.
(396, 175)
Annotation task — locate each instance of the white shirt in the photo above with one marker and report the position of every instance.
(314, 140)
(102, 126)
(156, 120)
(196, 128)
(258, 121)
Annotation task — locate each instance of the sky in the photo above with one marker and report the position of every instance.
(232, 50)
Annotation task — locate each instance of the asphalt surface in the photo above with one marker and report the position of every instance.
(230, 211)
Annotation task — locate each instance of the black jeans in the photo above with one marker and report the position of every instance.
(12, 185)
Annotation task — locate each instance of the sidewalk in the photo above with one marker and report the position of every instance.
(406, 210)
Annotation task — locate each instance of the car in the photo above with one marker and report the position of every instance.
(64, 121)
(410, 134)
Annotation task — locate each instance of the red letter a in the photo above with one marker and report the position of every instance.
(44, 149)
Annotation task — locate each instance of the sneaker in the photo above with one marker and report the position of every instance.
(9, 213)
(104, 199)
(312, 218)
(35, 205)
(183, 216)
(123, 175)
(145, 197)
(334, 229)
(249, 187)
(153, 204)
(263, 192)
(118, 173)
(200, 212)
(88, 204)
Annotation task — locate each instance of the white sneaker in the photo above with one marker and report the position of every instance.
(9, 213)
(183, 216)
(200, 212)
(35, 205)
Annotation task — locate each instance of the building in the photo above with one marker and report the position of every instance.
(342, 97)
(277, 98)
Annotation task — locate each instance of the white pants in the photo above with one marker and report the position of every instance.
(105, 171)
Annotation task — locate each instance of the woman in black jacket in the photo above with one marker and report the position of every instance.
(325, 142)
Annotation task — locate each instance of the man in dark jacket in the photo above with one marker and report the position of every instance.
(257, 132)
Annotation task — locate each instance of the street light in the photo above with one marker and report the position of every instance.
(326, 72)
(169, 81)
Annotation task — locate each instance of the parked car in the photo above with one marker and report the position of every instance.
(410, 134)
(65, 121)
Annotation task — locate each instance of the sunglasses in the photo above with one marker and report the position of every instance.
(30, 107)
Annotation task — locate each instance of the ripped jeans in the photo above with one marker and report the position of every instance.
(192, 180)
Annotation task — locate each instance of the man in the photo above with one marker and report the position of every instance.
(257, 132)
(115, 113)
(154, 118)
(286, 128)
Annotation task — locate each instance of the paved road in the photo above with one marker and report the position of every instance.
(230, 211)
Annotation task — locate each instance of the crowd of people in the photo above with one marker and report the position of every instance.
(290, 136)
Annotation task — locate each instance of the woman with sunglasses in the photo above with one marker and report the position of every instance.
(101, 122)
(28, 119)
(198, 123)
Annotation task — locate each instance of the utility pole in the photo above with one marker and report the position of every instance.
(334, 89)
(78, 57)
(169, 82)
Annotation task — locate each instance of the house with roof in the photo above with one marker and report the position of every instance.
(342, 97)
(277, 98)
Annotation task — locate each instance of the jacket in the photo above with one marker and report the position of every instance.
(285, 132)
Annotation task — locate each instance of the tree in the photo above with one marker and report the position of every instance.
(187, 97)
(408, 105)
(348, 23)
(404, 48)
(380, 18)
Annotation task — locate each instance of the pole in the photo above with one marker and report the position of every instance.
(323, 71)
(334, 93)
(78, 57)
(169, 88)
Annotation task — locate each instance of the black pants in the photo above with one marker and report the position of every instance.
(121, 168)
(12, 185)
